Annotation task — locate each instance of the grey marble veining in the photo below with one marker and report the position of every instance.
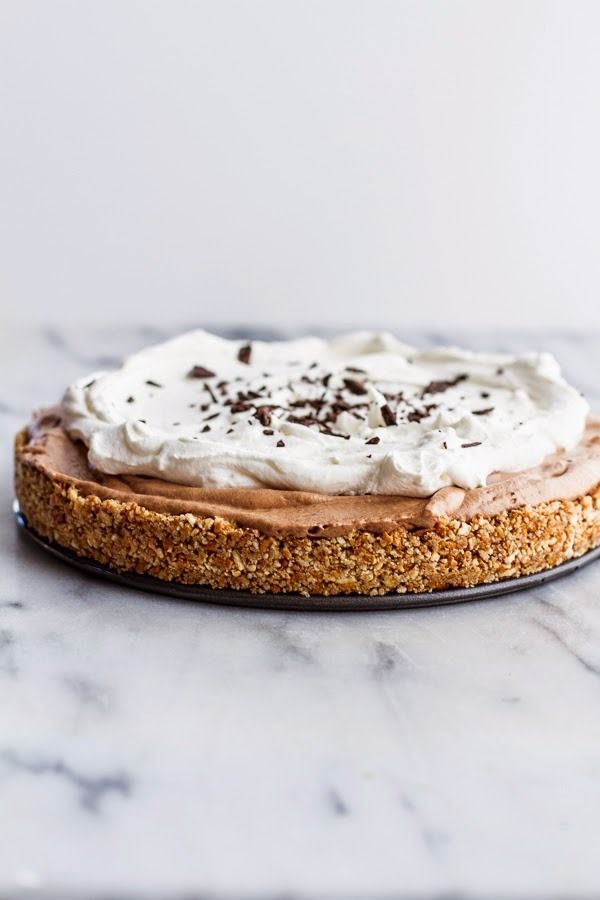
(158, 748)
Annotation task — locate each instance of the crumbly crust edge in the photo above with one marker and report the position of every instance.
(220, 554)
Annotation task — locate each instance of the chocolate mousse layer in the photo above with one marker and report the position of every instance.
(562, 476)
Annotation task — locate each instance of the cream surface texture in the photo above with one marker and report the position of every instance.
(361, 413)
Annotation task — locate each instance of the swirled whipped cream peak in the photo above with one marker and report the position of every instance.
(357, 414)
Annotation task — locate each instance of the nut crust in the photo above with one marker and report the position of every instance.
(221, 554)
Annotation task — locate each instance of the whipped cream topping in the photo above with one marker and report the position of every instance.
(362, 413)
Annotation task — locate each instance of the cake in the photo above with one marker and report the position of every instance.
(356, 465)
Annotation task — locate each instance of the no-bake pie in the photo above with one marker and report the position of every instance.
(354, 465)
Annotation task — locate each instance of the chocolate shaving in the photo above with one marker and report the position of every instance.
(240, 406)
(354, 386)
(131, 400)
(244, 353)
(247, 395)
(153, 383)
(90, 383)
(263, 414)
(303, 420)
(213, 416)
(206, 428)
(355, 370)
(483, 412)
(417, 415)
(388, 416)
(210, 392)
(200, 372)
(268, 431)
(484, 395)
(340, 406)
(472, 444)
(280, 444)
(438, 387)
(373, 440)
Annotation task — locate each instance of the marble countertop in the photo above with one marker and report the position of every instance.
(153, 748)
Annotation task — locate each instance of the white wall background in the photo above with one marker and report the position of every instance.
(398, 163)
